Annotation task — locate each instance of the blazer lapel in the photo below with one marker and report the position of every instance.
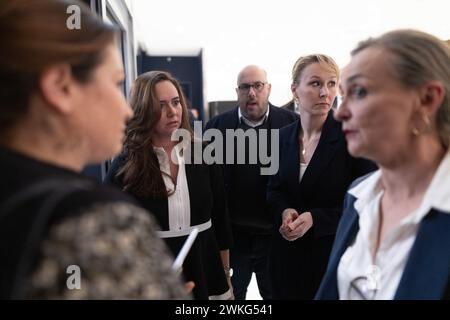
(427, 270)
(324, 153)
(346, 233)
(291, 164)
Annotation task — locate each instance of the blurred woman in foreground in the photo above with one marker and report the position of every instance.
(394, 237)
(61, 107)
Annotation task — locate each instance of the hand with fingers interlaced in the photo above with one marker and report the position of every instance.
(293, 225)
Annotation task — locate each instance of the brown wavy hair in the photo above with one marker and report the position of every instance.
(141, 174)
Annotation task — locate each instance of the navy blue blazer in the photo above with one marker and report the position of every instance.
(321, 191)
(427, 271)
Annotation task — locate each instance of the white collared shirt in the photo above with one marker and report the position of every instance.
(178, 203)
(252, 123)
(394, 250)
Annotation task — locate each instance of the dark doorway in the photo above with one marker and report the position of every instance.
(187, 69)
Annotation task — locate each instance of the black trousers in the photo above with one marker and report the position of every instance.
(250, 254)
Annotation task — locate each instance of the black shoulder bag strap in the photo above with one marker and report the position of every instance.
(56, 190)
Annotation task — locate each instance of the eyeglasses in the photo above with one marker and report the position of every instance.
(365, 287)
(245, 87)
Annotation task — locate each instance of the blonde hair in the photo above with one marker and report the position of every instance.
(420, 57)
(305, 61)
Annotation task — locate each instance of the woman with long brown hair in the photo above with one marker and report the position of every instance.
(182, 194)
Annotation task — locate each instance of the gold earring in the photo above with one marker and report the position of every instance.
(427, 122)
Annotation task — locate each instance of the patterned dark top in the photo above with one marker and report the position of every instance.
(117, 255)
(53, 219)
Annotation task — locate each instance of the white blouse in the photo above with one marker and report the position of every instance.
(303, 167)
(178, 202)
(361, 277)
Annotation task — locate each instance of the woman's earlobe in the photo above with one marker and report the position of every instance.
(293, 90)
(54, 84)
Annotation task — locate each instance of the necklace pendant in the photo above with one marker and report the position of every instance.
(303, 151)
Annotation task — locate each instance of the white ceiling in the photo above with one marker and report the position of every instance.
(273, 34)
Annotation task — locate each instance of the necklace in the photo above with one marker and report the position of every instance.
(304, 147)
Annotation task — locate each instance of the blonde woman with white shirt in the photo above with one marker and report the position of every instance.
(394, 237)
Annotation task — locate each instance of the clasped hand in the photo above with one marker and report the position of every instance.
(293, 225)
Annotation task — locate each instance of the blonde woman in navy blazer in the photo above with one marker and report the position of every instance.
(394, 238)
(306, 195)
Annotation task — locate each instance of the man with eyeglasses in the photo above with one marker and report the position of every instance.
(245, 186)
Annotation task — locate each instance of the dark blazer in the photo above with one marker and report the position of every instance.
(297, 267)
(229, 120)
(289, 106)
(207, 200)
(248, 210)
(427, 270)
